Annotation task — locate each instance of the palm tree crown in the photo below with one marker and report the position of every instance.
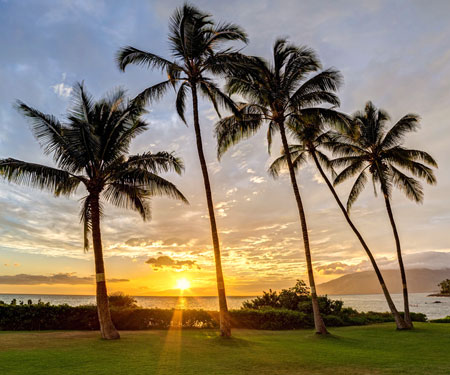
(90, 148)
(195, 41)
(380, 151)
(277, 92)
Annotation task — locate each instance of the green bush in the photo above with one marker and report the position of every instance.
(296, 298)
(441, 320)
(26, 317)
(120, 300)
(271, 319)
(296, 302)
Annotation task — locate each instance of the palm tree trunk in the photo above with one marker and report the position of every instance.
(225, 327)
(107, 329)
(408, 320)
(318, 321)
(398, 318)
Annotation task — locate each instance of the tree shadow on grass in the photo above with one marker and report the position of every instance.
(232, 342)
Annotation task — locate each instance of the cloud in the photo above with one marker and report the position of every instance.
(165, 261)
(62, 90)
(338, 268)
(58, 278)
(257, 179)
(429, 259)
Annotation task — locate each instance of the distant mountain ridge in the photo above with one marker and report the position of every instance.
(420, 280)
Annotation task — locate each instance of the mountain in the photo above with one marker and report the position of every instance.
(420, 280)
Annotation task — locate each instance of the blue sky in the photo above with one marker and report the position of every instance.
(395, 53)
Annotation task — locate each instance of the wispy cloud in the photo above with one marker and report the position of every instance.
(258, 225)
(61, 89)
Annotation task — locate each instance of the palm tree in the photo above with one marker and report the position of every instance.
(90, 148)
(311, 135)
(380, 151)
(195, 41)
(276, 92)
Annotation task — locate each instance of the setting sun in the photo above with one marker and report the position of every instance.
(183, 284)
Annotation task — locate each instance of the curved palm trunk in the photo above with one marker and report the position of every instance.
(398, 318)
(400, 262)
(107, 329)
(318, 321)
(225, 327)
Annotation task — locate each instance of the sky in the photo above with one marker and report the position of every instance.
(395, 53)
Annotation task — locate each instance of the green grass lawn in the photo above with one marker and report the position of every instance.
(377, 349)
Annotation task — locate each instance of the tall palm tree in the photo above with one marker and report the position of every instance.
(275, 92)
(311, 135)
(90, 148)
(380, 151)
(196, 43)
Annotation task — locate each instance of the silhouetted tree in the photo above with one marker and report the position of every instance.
(275, 92)
(379, 151)
(196, 43)
(90, 148)
(311, 135)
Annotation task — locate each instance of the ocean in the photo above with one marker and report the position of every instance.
(419, 302)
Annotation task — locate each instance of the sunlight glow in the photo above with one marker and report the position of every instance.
(183, 284)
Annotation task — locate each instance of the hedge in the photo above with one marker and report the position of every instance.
(441, 320)
(65, 317)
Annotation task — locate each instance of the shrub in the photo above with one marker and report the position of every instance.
(441, 320)
(24, 317)
(296, 298)
(286, 299)
(120, 300)
(271, 319)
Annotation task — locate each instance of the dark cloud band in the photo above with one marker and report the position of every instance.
(59, 278)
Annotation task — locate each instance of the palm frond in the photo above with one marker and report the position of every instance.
(82, 104)
(38, 176)
(406, 124)
(298, 157)
(356, 190)
(417, 169)
(86, 220)
(155, 162)
(232, 129)
(398, 152)
(322, 84)
(225, 32)
(130, 197)
(151, 182)
(50, 134)
(181, 101)
(217, 97)
(409, 185)
(153, 93)
(354, 168)
(271, 129)
(130, 55)
(345, 161)
(325, 162)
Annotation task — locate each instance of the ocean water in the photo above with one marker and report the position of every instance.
(419, 302)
